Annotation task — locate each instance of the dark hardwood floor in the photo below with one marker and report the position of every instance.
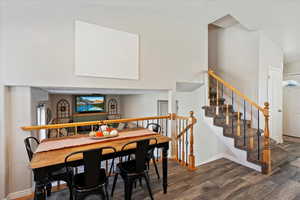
(223, 179)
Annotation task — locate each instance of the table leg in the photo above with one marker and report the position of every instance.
(39, 193)
(165, 168)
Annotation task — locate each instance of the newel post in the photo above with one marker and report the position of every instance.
(174, 148)
(266, 165)
(191, 164)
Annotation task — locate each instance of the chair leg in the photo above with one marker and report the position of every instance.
(141, 183)
(128, 188)
(156, 170)
(114, 185)
(70, 191)
(148, 185)
(106, 192)
(48, 189)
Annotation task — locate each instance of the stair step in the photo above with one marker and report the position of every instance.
(247, 133)
(222, 122)
(214, 101)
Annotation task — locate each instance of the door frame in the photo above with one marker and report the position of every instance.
(269, 98)
(159, 105)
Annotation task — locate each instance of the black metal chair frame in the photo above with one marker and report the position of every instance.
(92, 173)
(139, 164)
(158, 130)
(51, 176)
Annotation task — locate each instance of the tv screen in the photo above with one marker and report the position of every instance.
(89, 104)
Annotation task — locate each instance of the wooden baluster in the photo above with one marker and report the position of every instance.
(176, 141)
(232, 103)
(57, 135)
(251, 119)
(209, 97)
(183, 144)
(217, 100)
(238, 133)
(251, 140)
(186, 143)
(244, 123)
(258, 136)
(75, 130)
(191, 156)
(179, 139)
(227, 114)
(266, 167)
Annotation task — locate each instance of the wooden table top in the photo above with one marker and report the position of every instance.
(54, 157)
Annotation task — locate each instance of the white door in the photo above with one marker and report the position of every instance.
(163, 109)
(291, 111)
(275, 99)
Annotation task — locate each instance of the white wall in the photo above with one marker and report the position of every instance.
(206, 143)
(141, 105)
(292, 67)
(2, 144)
(234, 57)
(271, 56)
(38, 41)
(19, 174)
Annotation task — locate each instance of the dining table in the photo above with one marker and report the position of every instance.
(50, 154)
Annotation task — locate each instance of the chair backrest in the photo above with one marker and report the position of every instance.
(155, 127)
(91, 162)
(142, 151)
(28, 145)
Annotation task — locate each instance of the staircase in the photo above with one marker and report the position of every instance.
(241, 120)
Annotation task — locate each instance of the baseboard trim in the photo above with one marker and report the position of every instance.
(19, 194)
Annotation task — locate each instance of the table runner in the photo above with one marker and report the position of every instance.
(85, 140)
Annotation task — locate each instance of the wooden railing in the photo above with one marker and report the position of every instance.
(70, 129)
(184, 140)
(241, 102)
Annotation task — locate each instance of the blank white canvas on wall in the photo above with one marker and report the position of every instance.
(104, 52)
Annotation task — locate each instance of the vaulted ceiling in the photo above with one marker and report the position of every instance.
(279, 19)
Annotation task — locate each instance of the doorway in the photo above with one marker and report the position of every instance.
(41, 120)
(163, 109)
(275, 99)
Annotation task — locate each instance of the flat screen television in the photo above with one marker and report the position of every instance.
(89, 103)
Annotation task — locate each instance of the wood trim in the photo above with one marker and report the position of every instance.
(89, 114)
(236, 91)
(266, 163)
(101, 122)
(182, 117)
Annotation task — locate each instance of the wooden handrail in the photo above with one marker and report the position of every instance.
(90, 123)
(186, 154)
(236, 91)
(266, 159)
(184, 130)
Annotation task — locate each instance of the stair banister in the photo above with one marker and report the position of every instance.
(266, 157)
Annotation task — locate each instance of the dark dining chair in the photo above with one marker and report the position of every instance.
(156, 128)
(135, 169)
(93, 180)
(59, 174)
